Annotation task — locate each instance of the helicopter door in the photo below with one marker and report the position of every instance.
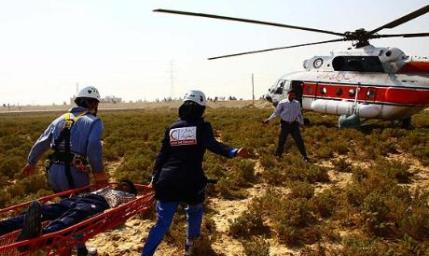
(297, 88)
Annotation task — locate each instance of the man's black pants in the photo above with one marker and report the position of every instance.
(292, 128)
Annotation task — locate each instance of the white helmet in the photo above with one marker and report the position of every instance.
(196, 96)
(89, 92)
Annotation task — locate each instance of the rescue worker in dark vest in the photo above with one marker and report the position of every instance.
(75, 139)
(178, 175)
(289, 110)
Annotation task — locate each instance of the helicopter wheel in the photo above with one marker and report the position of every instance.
(406, 123)
(403, 123)
(349, 121)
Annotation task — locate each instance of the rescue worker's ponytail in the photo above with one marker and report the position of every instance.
(191, 111)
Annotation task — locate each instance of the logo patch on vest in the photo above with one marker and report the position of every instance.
(183, 136)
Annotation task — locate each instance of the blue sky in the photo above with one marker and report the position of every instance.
(125, 49)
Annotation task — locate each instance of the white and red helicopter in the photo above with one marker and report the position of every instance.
(364, 82)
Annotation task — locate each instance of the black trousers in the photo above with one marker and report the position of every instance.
(292, 128)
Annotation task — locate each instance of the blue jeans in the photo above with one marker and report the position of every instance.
(66, 213)
(165, 213)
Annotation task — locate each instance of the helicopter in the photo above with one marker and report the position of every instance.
(361, 83)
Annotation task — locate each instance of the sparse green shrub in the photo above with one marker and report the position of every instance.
(267, 161)
(243, 172)
(274, 176)
(415, 221)
(314, 173)
(319, 250)
(325, 203)
(358, 246)
(408, 246)
(296, 169)
(394, 170)
(256, 246)
(375, 214)
(247, 224)
(301, 189)
(289, 224)
(342, 165)
(227, 188)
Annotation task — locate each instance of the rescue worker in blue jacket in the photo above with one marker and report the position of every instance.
(75, 139)
(178, 175)
(85, 145)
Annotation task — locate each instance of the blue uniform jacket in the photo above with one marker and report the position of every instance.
(85, 138)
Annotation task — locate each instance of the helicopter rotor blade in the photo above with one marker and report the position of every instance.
(276, 48)
(205, 15)
(402, 35)
(403, 19)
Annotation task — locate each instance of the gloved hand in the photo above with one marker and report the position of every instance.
(244, 153)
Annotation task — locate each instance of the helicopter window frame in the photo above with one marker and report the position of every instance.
(280, 87)
(358, 64)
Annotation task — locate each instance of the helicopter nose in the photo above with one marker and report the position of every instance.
(268, 98)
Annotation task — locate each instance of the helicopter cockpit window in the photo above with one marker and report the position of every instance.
(280, 87)
(357, 63)
(279, 90)
(352, 92)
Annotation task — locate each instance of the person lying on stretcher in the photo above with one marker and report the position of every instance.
(68, 211)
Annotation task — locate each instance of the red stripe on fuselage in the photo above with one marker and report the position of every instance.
(386, 95)
(415, 67)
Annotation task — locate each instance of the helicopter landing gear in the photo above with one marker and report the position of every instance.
(406, 123)
(349, 121)
(403, 123)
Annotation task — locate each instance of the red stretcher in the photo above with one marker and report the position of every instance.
(60, 242)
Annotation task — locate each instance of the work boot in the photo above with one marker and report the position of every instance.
(83, 251)
(32, 224)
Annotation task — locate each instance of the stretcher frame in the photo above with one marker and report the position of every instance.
(60, 243)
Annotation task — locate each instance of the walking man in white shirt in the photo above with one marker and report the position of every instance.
(290, 113)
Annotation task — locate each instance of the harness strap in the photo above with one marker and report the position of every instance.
(69, 121)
